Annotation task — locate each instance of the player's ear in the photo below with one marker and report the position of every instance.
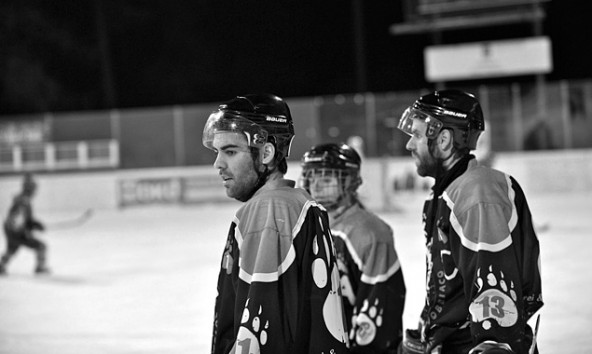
(445, 140)
(268, 153)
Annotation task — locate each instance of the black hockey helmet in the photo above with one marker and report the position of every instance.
(337, 156)
(29, 184)
(447, 109)
(261, 117)
(337, 160)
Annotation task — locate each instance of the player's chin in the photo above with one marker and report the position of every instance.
(325, 200)
(421, 168)
(233, 192)
(229, 192)
(241, 197)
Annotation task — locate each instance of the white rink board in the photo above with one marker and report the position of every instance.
(142, 280)
(537, 172)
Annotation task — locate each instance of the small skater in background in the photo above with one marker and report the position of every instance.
(20, 227)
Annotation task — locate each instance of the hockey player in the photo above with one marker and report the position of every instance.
(278, 288)
(372, 282)
(483, 278)
(20, 226)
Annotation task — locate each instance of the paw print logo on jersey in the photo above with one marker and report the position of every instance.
(332, 308)
(367, 322)
(496, 300)
(252, 333)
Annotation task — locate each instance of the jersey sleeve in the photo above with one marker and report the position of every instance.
(380, 298)
(497, 261)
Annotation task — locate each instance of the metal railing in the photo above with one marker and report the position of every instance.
(52, 156)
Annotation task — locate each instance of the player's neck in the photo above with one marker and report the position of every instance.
(449, 162)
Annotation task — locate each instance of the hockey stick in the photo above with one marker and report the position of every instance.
(534, 335)
(74, 222)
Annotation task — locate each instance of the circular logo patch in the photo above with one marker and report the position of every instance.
(494, 304)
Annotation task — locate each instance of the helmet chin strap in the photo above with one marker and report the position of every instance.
(262, 176)
(447, 158)
(261, 179)
(440, 170)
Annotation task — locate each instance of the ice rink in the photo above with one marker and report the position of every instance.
(142, 280)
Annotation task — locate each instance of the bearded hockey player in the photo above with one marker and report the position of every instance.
(372, 282)
(483, 269)
(278, 288)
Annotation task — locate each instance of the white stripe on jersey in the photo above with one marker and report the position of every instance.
(381, 277)
(477, 246)
(358, 261)
(289, 258)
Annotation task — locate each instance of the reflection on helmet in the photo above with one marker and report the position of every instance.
(229, 122)
(260, 117)
(406, 123)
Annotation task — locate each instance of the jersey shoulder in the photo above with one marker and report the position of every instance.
(362, 227)
(479, 184)
(266, 229)
(279, 208)
(482, 202)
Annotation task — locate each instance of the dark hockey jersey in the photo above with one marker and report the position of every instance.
(483, 266)
(278, 288)
(371, 280)
(20, 220)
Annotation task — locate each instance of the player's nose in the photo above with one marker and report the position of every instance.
(410, 144)
(219, 162)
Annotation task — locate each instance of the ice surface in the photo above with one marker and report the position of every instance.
(143, 280)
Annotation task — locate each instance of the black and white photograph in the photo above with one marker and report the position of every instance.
(264, 177)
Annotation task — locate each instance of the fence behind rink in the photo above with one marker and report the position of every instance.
(155, 155)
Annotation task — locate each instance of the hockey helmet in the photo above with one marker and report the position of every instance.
(29, 184)
(451, 109)
(333, 169)
(260, 117)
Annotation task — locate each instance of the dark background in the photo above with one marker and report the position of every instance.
(72, 55)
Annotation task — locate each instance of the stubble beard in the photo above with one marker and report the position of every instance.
(427, 166)
(243, 189)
